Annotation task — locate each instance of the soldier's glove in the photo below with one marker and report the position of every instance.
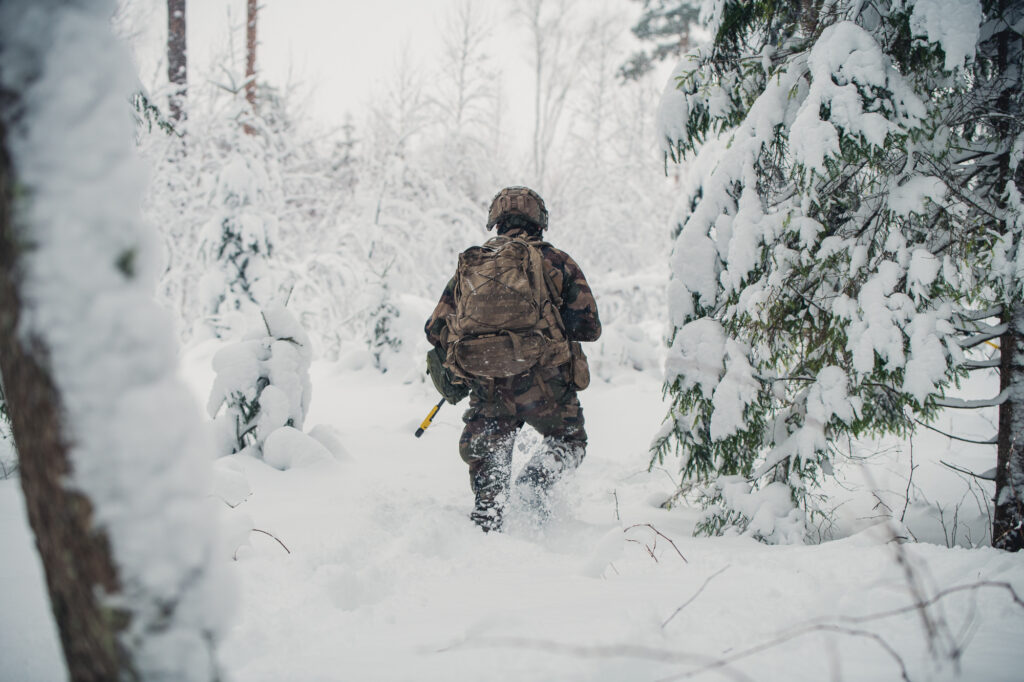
(447, 384)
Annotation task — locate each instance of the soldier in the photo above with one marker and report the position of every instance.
(512, 377)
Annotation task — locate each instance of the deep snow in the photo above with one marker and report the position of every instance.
(388, 580)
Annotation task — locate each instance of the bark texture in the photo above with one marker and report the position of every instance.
(75, 554)
(1008, 520)
(177, 58)
(251, 8)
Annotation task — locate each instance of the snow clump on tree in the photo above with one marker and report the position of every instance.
(262, 383)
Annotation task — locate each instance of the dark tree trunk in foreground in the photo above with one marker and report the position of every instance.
(75, 555)
(177, 58)
(1007, 530)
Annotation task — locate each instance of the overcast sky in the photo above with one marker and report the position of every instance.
(337, 51)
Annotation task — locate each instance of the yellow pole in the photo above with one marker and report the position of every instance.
(426, 422)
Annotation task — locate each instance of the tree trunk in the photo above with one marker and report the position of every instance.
(250, 59)
(1008, 520)
(1007, 530)
(177, 60)
(76, 556)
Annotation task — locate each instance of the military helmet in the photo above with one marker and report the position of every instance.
(521, 201)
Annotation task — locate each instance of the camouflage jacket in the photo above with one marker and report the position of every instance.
(579, 309)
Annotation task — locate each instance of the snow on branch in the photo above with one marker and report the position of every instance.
(960, 404)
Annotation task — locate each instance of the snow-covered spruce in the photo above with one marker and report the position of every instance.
(239, 238)
(262, 383)
(849, 229)
(115, 466)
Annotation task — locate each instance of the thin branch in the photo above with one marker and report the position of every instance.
(658, 532)
(983, 477)
(839, 629)
(257, 530)
(597, 651)
(695, 595)
(910, 481)
(959, 438)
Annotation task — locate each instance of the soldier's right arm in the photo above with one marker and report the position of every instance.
(438, 323)
(579, 309)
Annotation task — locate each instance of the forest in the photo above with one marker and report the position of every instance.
(224, 225)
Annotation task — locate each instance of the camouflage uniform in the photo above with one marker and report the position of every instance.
(545, 398)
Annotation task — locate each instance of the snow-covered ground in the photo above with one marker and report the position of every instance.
(385, 577)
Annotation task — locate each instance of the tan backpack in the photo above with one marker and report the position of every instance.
(506, 318)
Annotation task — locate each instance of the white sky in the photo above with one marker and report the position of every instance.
(336, 51)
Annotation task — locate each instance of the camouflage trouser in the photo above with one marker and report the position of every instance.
(546, 401)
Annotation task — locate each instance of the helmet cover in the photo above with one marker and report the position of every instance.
(521, 201)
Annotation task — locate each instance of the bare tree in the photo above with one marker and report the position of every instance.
(467, 81)
(177, 58)
(555, 48)
(251, 10)
(466, 99)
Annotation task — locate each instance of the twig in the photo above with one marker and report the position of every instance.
(646, 547)
(722, 664)
(659, 533)
(695, 595)
(615, 494)
(598, 651)
(888, 648)
(993, 441)
(257, 530)
(244, 499)
(981, 477)
(910, 481)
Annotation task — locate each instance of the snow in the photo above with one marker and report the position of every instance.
(387, 579)
(288, 447)
(349, 544)
(697, 356)
(954, 24)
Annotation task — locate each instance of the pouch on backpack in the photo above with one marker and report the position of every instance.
(446, 383)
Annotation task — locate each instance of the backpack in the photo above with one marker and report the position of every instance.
(506, 319)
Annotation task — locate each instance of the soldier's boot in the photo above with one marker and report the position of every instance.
(544, 470)
(490, 489)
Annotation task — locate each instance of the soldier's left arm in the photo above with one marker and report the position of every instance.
(579, 309)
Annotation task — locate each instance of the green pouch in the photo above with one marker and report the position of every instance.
(445, 382)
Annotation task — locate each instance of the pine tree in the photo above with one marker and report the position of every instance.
(849, 233)
(381, 336)
(667, 24)
(262, 383)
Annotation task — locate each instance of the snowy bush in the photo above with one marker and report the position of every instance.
(766, 514)
(262, 383)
